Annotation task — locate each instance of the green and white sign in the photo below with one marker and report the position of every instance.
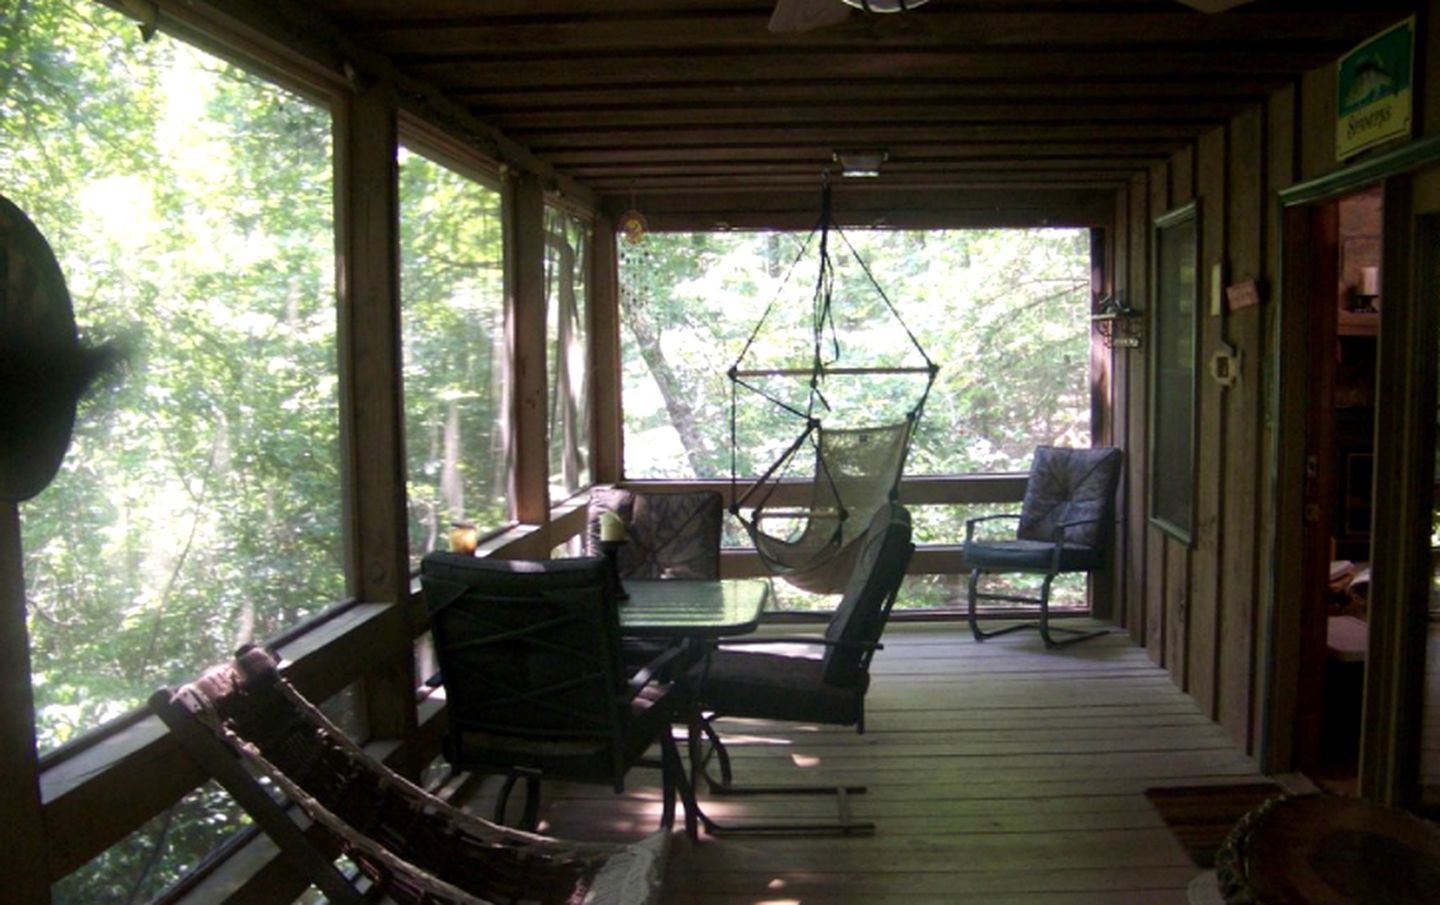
(1372, 90)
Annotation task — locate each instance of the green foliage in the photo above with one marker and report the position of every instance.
(453, 315)
(567, 359)
(1003, 312)
(189, 203)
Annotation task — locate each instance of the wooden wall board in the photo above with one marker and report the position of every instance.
(1213, 456)
(1317, 106)
(1134, 389)
(1281, 158)
(1177, 610)
(1182, 176)
(1240, 541)
(1156, 632)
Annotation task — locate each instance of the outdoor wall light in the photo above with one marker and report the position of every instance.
(1117, 323)
(861, 163)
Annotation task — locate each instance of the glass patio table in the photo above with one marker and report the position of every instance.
(691, 610)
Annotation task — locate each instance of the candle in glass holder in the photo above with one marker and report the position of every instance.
(464, 538)
(611, 527)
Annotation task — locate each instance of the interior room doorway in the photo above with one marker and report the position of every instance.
(1344, 324)
(1319, 405)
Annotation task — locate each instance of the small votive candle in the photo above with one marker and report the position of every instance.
(611, 527)
(464, 538)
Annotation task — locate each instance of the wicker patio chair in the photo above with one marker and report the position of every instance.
(247, 727)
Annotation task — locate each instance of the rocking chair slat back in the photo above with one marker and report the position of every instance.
(413, 847)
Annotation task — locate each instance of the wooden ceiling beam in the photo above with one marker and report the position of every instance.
(721, 69)
(953, 147)
(1099, 134)
(881, 202)
(801, 180)
(738, 168)
(530, 126)
(672, 95)
(471, 36)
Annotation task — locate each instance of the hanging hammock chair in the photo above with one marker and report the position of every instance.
(810, 539)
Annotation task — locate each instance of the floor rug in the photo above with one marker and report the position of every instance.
(1200, 817)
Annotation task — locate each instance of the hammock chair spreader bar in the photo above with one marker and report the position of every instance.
(828, 369)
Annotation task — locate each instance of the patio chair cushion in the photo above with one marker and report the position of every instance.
(670, 535)
(861, 614)
(1030, 555)
(770, 686)
(1069, 485)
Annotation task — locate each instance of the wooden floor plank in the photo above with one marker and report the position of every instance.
(998, 773)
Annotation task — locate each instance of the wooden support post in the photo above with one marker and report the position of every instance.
(607, 429)
(525, 316)
(22, 839)
(372, 417)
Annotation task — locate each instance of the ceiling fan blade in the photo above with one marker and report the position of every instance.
(1213, 6)
(804, 15)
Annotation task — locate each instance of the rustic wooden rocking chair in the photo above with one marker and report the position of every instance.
(242, 720)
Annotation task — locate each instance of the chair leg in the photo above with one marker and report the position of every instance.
(845, 826)
(975, 621)
(530, 816)
(673, 778)
(1046, 628)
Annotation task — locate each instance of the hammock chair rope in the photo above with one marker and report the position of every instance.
(856, 470)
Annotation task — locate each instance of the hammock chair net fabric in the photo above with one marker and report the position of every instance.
(856, 467)
(858, 470)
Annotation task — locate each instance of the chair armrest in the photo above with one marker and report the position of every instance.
(970, 523)
(650, 671)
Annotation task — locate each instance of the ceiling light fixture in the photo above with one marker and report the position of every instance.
(886, 6)
(861, 162)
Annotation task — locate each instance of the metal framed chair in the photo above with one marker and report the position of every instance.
(669, 535)
(243, 723)
(738, 679)
(530, 659)
(1065, 524)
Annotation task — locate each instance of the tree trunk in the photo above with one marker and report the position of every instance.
(682, 413)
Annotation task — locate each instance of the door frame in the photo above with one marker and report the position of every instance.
(1404, 449)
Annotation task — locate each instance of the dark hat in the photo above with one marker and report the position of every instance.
(44, 370)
